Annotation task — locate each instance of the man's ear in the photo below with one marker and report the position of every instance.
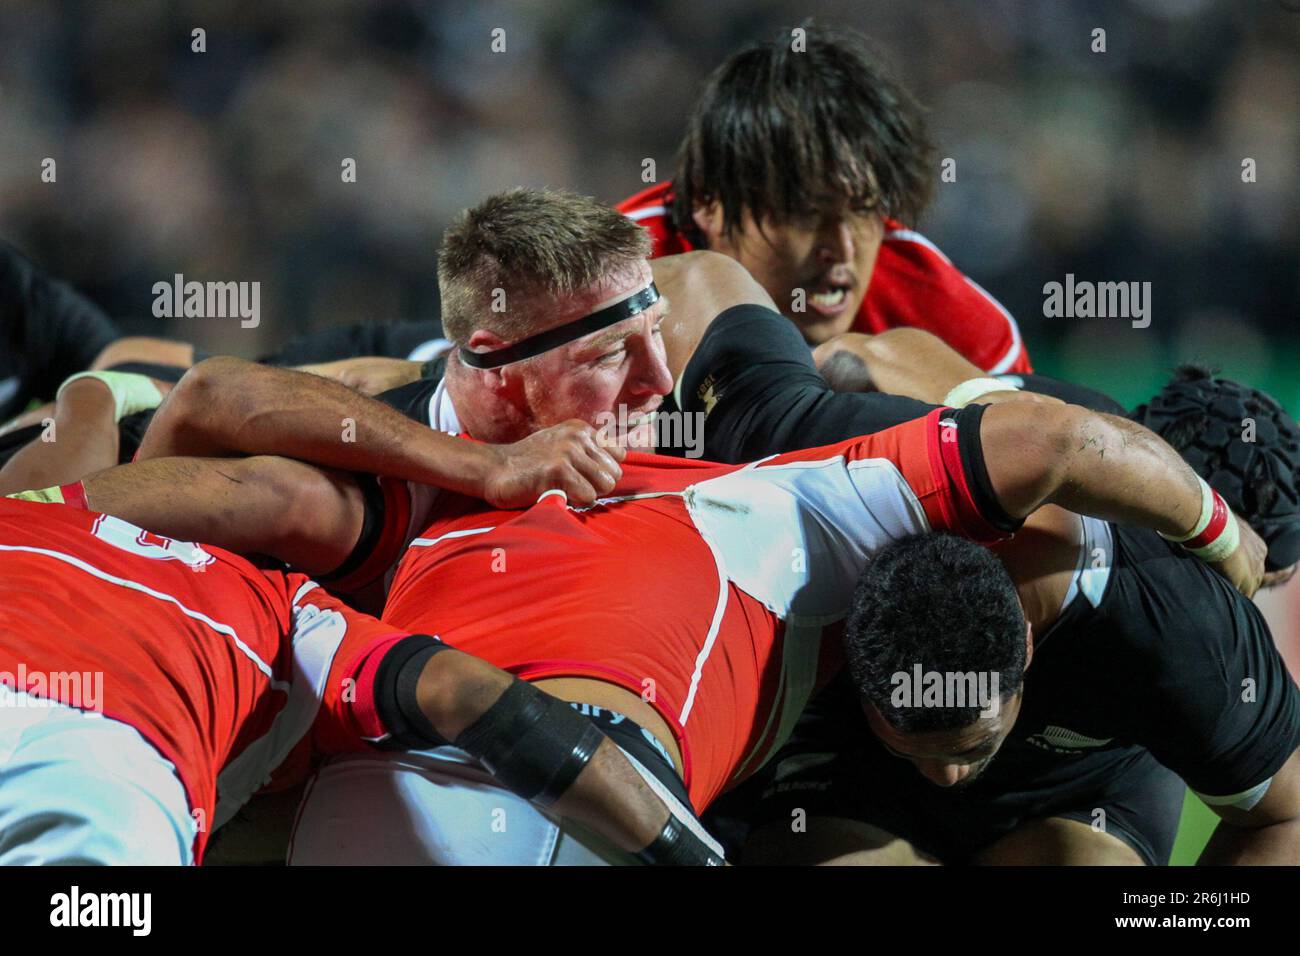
(481, 340)
(1029, 643)
(709, 220)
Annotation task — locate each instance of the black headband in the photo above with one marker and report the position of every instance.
(634, 304)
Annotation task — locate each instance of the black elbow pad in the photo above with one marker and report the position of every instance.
(395, 684)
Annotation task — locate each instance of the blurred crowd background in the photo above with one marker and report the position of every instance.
(225, 165)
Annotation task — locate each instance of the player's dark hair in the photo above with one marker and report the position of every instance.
(941, 602)
(1243, 443)
(780, 131)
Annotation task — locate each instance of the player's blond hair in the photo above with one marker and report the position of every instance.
(526, 244)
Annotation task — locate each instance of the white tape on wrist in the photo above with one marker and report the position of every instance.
(971, 389)
(1217, 520)
(1207, 512)
(131, 392)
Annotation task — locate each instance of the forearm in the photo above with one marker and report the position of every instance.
(368, 375)
(145, 349)
(1089, 463)
(1119, 471)
(456, 692)
(82, 435)
(909, 362)
(226, 406)
(1275, 845)
(283, 509)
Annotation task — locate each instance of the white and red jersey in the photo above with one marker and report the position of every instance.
(913, 284)
(230, 671)
(709, 590)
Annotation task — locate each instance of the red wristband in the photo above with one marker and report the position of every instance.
(1218, 521)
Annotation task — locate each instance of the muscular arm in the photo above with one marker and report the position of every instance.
(920, 365)
(146, 349)
(304, 516)
(1100, 465)
(457, 689)
(1267, 834)
(226, 406)
(904, 361)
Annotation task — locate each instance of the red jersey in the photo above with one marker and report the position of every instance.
(709, 590)
(913, 284)
(230, 671)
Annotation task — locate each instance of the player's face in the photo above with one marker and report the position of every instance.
(816, 269)
(949, 758)
(613, 379)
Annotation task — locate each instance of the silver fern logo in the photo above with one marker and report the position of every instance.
(1063, 740)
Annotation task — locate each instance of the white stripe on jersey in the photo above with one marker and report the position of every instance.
(464, 533)
(818, 523)
(711, 637)
(224, 629)
(636, 215)
(1012, 353)
(317, 635)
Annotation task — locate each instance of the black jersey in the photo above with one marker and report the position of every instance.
(1167, 665)
(1156, 670)
(48, 331)
(1171, 658)
(388, 339)
(754, 380)
(418, 400)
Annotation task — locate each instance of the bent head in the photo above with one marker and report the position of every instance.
(937, 645)
(527, 262)
(792, 160)
(1245, 445)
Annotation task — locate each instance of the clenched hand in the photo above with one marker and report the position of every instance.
(572, 457)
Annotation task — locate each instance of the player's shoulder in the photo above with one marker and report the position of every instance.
(653, 201)
(652, 209)
(915, 283)
(908, 257)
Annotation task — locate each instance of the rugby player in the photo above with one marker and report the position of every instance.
(1125, 671)
(577, 273)
(804, 162)
(1110, 645)
(150, 686)
(980, 479)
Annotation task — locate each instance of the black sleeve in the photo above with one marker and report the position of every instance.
(754, 380)
(48, 330)
(1067, 392)
(390, 339)
(1219, 707)
(412, 399)
(972, 472)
